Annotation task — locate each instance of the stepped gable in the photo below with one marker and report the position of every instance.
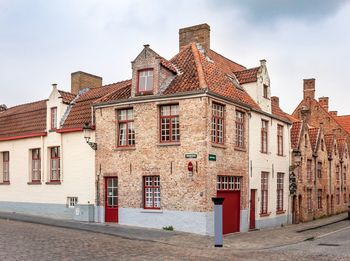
(23, 120)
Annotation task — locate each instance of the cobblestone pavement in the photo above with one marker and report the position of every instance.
(27, 241)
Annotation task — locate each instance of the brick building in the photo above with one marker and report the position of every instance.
(178, 135)
(322, 184)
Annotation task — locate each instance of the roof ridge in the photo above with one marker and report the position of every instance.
(199, 67)
(227, 58)
(110, 84)
(28, 103)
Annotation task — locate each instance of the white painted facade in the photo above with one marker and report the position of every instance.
(77, 171)
(269, 162)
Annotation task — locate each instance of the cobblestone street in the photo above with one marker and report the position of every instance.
(27, 241)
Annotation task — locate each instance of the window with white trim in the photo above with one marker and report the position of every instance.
(217, 123)
(145, 83)
(126, 129)
(151, 188)
(239, 129)
(264, 192)
(169, 123)
(5, 167)
(228, 183)
(280, 140)
(72, 202)
(36, 165)
(264, 135)
(280, 179)
(55, 164)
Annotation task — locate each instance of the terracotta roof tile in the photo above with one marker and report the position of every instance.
(247, 76)
(25, 119)
(313, 136)
(344, 121)
(295, 134)
(81, 110)
(225, 64)
(277, 111)
(67, 97)
(168, 65)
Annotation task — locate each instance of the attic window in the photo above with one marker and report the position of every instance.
(265, 90)
(145, 80)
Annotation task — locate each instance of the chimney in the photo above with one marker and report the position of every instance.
(3, 107)
(309, 88)
(333, 113)
(198, 33)
(275, 100)
(323, 101)
(81, 80)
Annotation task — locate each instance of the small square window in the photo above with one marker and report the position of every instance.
(72, 202)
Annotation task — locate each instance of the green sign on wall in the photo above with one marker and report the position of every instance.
(212, 157)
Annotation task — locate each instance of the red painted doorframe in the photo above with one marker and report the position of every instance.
(111, 199)
(252, 209)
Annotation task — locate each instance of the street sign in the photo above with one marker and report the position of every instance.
(212, 157)
(190, 156)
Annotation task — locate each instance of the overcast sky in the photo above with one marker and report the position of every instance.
(42, 42)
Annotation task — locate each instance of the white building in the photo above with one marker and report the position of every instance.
(46, 166)
(269, 152)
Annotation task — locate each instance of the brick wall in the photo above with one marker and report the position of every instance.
(198, 33)
(81, 80)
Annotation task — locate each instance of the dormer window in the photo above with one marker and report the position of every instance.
(145, 81)
(54, 118)
(265, 91)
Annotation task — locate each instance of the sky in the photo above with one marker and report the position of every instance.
(43, 42)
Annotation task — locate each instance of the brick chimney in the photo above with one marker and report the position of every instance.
(3, 107)
(323, 101)
(198, 33)
(81, 80)
(275, 100)
(333, 113)
(309, 88)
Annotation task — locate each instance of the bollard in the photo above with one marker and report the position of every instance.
(218, 221)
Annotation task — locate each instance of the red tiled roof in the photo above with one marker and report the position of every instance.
(295, 134)
(67, 97)
(168, 65)
(226, 65)
(81, 110)
(23, 120)
(313, 136)
(344, 121)
(122, 91)
(276, 110)
(199, 73)
(247, 76)
(329, 140)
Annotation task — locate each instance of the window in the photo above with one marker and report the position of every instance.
(72, 202)
(280, 177)
(36, 165)
(55, 164)
(264, 131)
(280, 140)
(151, 192)
(126, 129)
(337, 174)
(344, 176)
(266, 91)
(319, 170)
(309, 171)
(169, 123)
(217, 130)
(53, 118)
(228, 183)
(337, 196)
(345, 198)
(309, 200)
(145, 80)
(239, 129)
(6, 166)
(305, 138)
(264, 192)
(319, 199)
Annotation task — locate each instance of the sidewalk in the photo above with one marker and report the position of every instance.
(255, 240)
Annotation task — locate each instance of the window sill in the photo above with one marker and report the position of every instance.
(279, 212)
(5, 183)
(144, 93)
(264, 152)
(265, 214)
(240, 149)
(169, 144)
(34, 183)
(53, 183)
(280, 155)
(159, 211)
(221, 146)
(124, 148)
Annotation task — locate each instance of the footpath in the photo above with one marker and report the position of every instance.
(253, 240)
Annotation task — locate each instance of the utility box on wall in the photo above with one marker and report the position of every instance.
(84, 212)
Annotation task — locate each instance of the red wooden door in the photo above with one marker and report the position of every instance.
(252, 209)
(231, 210)
(111, 199)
